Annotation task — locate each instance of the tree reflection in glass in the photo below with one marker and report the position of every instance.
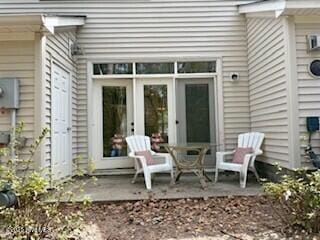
(114, 121)
(156, 115)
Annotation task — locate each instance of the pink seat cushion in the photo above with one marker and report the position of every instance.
(148, 156)
(240, 153)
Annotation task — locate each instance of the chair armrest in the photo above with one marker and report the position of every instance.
(167, 156)
(221, 157)
(142, 159)
(225, 153)
(258, 152)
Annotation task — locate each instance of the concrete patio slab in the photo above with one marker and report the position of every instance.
(120, 188)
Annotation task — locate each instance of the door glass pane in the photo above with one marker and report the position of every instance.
(112, 68)
(156, 115)
(155, 68)
(196, 67)
(197, 113)
(114, 103)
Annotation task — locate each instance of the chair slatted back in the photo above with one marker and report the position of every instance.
(252, 139)
(138, 143)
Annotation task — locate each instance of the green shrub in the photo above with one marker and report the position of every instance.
(299, 197)
(35, 217)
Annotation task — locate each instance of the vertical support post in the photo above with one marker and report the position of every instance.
(39, 95)
(292, 92)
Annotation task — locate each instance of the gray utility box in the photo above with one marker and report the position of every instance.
(4, 138)
(9, 93)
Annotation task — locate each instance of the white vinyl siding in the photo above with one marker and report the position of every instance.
(57, 50)
(174, 29)
(17, 60)
(308, 86)
(267, 85)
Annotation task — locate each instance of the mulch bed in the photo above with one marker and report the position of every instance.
(226, 217)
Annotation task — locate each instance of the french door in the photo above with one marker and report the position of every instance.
(153, 107)
(113, 121)
(154, 111)
(196, 114)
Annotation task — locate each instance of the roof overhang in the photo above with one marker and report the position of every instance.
(278, 8)
(38, 23)
(53, 22)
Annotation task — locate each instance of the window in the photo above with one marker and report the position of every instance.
(196, 67)
(114, 108)
(155, 68)
(186, 67)
(112, 68)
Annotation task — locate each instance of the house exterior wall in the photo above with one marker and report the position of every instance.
(159, 29)
(268, 86)
(308, 86)
(57, 51)
(173, 30)
(17, 59)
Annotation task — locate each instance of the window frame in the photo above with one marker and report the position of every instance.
(151, 75)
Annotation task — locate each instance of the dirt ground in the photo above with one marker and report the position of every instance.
(186, 219)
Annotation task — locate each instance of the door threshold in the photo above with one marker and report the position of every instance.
(126, 171)
(120, 171)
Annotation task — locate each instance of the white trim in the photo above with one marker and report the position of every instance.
(52, 22)
(134, 98)
(113, 76)
(263, 6)
(39, 113)
(176, 75)
(207, 57)
(268, 14)
(174, 102)
(140, 125)
(218, 90)
(102, 162)
(220, 106)
(90, 120)
(292, 92)
(278, 6)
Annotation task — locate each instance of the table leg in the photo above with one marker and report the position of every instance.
(178, 175)
(201, 178)
(206, 176)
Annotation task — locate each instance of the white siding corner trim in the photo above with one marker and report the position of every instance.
(292, 92)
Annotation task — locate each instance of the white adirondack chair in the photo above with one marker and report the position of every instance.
(253, 140)
(142, 143)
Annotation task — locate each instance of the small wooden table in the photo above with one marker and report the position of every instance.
(187, 163)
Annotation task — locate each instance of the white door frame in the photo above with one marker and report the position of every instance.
(139, 108)
(55, 63)
(102, 162)
(181, 82)
(218, 87)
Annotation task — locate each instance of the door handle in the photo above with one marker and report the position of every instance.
(177, 122)
(132, 129)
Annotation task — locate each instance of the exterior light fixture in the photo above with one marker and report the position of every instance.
(234, 77)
